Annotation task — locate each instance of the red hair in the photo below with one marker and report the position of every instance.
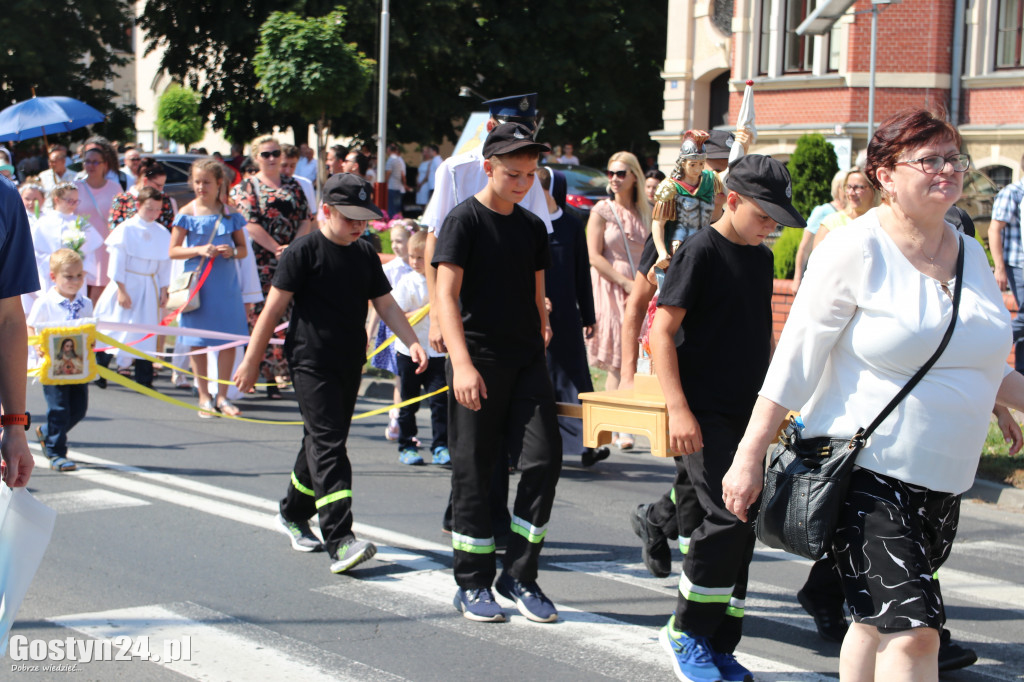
(906, 129)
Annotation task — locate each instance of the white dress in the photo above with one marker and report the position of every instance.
(138, 258)
(50, 232)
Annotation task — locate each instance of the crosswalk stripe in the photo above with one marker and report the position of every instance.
(142, 482)
(579, 639)
(222, 649)
(90, 499)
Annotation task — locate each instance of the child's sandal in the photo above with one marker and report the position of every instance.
(207, 410)
(225, 407)
(62, 464)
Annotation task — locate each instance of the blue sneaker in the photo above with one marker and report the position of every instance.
(409, 456)
(691, 656)
(478, 605)
(442, 456)
(730, 669)
(530, 601)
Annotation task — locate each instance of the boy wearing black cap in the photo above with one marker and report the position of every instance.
(718, 289)
(490, 261)
(330, 275)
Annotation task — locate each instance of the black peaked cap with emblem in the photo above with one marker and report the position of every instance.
(511, 137)
(352, 196)
(767, 182)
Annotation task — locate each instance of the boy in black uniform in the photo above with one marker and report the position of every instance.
(330, 274)
(490, 261)
(719, 289)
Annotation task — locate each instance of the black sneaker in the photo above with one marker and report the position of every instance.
(656, 553)
(829, 618)
(952, 656)
(591, 456)
(351, 555)
(528, 597)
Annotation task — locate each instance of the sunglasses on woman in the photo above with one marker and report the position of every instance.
(271, 155)
(620, 174)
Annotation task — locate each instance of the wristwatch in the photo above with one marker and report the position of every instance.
(15, 419)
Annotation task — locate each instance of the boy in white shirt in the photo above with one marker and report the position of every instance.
(65, 403)
(411, 294)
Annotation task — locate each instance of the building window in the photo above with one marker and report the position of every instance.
(765, 41)
(834, 43)
(1001, 176)
(798, 51)
(1009, 34)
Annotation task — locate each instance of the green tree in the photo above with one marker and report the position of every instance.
(177, 116)
(606, 94)
(63, 47)
(812, 167)
(305, 67)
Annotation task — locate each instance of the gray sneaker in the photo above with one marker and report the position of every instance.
(352, 554)
(302, 537)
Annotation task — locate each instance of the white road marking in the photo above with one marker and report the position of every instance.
(90, 499)
(223, 649)
(131, 479)
(579, 639)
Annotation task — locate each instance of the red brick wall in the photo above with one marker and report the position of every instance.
(782, 300)
(835, 105)
(995, 106)
(913, 36)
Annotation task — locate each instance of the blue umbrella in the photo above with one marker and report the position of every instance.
(41, 116)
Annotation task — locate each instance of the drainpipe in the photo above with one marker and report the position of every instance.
(958, 60)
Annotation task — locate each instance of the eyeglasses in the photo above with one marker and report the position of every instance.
(273, 154)
(620, 174)
(857, 188)
(936, 164)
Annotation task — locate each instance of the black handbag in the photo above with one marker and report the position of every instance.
(806, 480)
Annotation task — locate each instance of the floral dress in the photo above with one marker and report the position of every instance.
(126, 205)
(280, 211)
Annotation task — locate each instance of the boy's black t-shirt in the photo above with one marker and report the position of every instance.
(500, 256)
(331, 286)
(726, 289)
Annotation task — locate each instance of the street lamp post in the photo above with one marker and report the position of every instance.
(380, 192)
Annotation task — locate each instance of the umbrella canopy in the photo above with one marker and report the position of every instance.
(41, 116)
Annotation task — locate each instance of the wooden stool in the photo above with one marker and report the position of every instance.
(640, 411)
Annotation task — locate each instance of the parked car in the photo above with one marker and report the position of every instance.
(177, 166)
(585, 186)
(978, 195)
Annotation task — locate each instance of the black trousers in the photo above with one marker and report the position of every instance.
(518, 414)
(678, 511)
(713, 585)
(412, 385)
(321, 479)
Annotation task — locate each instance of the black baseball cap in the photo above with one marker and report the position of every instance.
(719, 144)
(352, 195)
(511, 137)
(767, 182)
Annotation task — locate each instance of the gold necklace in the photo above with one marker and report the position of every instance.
(931, 259)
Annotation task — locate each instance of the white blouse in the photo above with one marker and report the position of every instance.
(865, 320)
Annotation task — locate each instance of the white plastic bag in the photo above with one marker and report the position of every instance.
(26, 525)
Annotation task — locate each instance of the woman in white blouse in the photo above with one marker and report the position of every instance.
(876, 302)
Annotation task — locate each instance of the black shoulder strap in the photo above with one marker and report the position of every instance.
(935, 356)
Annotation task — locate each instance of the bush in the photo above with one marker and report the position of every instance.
(812, 167)
(785, 252)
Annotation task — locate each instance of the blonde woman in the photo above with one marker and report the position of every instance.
(616, 232)
(803, 252)
(860, 198)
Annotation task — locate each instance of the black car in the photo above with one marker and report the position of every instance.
(585, 185)
(177, 166)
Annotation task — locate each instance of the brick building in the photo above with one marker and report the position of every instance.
(820, 83)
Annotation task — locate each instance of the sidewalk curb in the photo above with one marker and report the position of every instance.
(999, 494)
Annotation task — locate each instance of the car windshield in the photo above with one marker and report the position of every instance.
(583, 179)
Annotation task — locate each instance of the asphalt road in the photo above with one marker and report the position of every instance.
(165, 536)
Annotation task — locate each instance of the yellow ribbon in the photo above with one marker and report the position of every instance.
(416, 317)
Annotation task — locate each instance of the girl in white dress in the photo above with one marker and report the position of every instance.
(63, 228)
(139, 271)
